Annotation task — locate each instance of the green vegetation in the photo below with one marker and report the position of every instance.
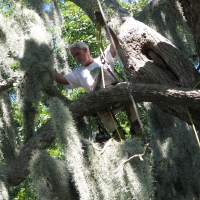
(78, 27)
(133, 8)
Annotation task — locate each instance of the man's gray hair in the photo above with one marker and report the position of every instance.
(79, 45)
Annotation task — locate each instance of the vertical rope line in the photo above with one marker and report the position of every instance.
(102, 72)
(191, 120)
(194, 129)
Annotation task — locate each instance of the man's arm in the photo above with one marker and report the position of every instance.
(109, 33)
(115, 40)
(60, 78)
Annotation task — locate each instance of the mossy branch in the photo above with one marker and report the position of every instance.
(17, 172)
(173, 99)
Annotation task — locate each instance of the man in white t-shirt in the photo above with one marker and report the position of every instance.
(87, 77)
(88, 74)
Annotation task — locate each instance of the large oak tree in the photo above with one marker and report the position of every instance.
(158, 71)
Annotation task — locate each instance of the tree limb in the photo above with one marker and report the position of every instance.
(54, 92)
(176, 97)
(19, 169)
(98, 100)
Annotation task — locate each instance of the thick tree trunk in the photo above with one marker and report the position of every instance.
(152, 59)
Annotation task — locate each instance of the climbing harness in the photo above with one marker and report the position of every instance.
(101, 78)
(114, 120)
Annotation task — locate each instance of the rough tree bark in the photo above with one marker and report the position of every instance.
(152, 59)
(85, 105)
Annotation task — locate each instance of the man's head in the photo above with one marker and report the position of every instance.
(81, 53)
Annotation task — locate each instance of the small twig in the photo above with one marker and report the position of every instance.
(141, 156)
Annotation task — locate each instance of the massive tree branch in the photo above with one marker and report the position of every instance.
(176, 97)
(160, 94)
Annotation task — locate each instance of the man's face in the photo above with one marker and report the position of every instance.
(80, 55)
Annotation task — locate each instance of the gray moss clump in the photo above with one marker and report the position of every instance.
(98, 175)
(50, 176)
(134, 181)
(95, 174)
(27, 50)
(176, 157)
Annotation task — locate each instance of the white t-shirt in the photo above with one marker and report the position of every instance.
(87, 76)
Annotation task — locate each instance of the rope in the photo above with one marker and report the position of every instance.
(191, 120)
(99, 38)
(196, 85)
(102, 73)
(194, 129)
(116, 128)
(124, 74)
